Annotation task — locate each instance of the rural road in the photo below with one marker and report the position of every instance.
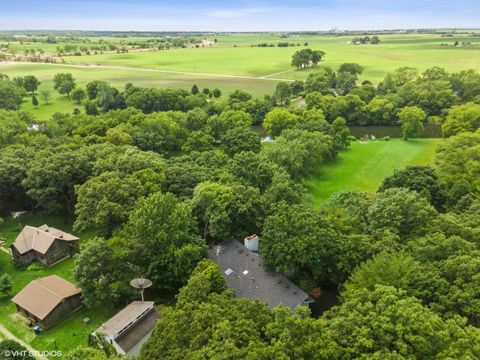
(10, 336)
(95, 66)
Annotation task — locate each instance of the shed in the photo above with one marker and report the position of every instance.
(48, 300)
(130, 327)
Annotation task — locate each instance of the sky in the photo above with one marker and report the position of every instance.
(240, 15)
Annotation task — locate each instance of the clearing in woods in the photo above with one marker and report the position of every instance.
(364, 165)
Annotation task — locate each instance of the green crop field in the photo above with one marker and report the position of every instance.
(234, 64)
(234, 55)
(364, 165)
(118, 78)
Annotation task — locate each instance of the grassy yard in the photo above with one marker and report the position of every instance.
(363, 166)
(70, 333)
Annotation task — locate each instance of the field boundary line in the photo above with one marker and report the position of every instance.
(129, 68)
(278, 73)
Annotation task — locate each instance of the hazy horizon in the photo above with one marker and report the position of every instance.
(237, 16)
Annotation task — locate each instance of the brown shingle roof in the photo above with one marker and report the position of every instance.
(39, 238)
(43, 295)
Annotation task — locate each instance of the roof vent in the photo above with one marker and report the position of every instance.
(218, 249)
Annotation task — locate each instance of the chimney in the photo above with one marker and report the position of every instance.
(251, 242)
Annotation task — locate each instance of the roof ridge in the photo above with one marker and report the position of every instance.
(38, 281)
(61, 233)
(34, 238)
(42, 231)
(47, 233)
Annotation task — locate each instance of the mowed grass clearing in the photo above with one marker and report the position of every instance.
(71, 332)
(363, 166)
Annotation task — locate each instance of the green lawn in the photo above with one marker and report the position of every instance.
(71, 332)
(363, 166)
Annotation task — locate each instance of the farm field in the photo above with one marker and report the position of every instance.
(70, 333)
(234, 64)
(118, 78)
(233, 55)
(364, 165)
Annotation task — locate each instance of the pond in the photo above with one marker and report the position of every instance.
(393, 131)
(379, 131)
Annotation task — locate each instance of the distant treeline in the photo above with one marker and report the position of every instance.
(280, 44)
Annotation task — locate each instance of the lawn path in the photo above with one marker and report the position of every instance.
(10, 336)
(96, 66)
(278, 73)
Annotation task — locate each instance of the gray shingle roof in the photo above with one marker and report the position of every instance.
(243, 271)
(125, 317)
(138, 331)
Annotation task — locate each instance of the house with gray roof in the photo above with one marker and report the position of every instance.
(244, 272)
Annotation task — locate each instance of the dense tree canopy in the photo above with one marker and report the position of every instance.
(278, 120)
(105, 201)
(382, 323)
(160, 174)
(160, 240)
(462, 118)
(422, 179)
(52, 176)
(10, 95)
(102, 273)
(458, 166)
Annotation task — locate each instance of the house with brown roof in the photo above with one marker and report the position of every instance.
(47, 301)
(129, 328)
(44, 244)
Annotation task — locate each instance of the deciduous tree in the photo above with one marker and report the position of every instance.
(64, 83)
(411, 119)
